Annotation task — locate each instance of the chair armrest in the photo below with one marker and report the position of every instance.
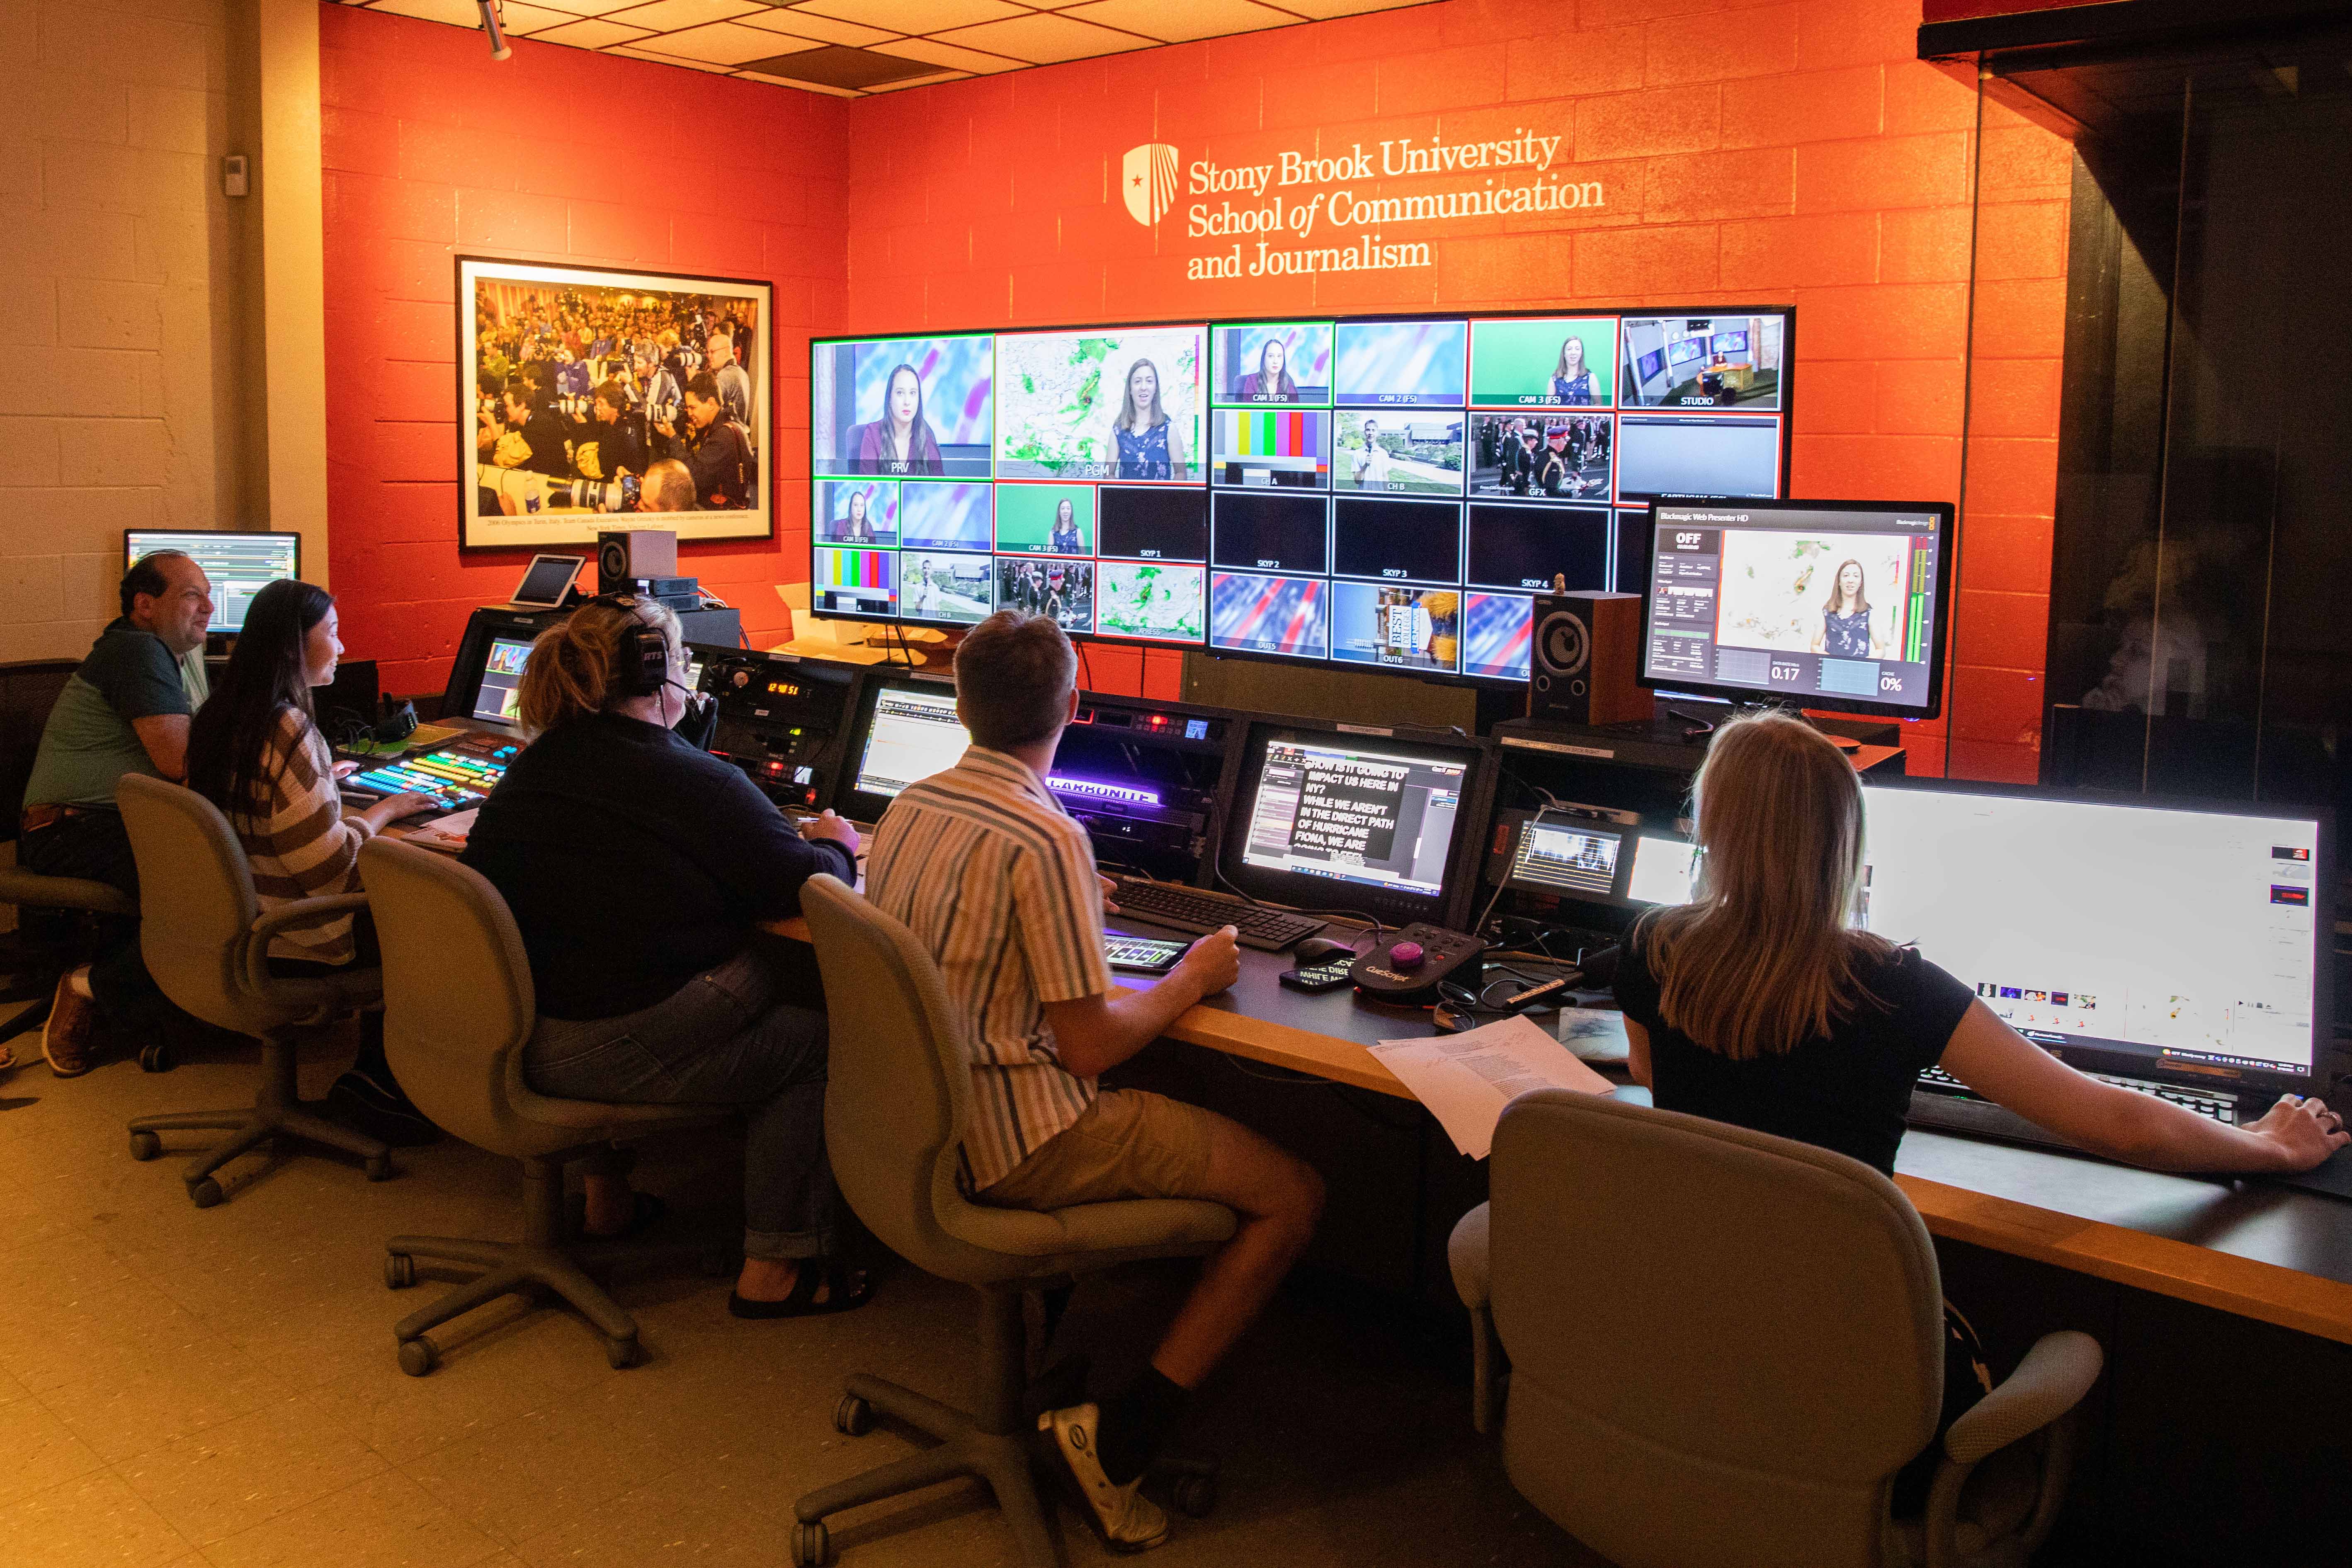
(1466, 1254)
(2051, 1381)
(284, 917)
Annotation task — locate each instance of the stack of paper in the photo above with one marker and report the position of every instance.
(1465, 1080)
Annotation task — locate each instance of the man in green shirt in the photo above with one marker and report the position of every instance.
(126, 709)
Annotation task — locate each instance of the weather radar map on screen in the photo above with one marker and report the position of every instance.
(1386, 492)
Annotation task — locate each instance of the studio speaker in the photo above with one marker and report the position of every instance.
(1588, 647)
(627, 556)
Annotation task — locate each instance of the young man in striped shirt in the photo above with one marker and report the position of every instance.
(997, 880)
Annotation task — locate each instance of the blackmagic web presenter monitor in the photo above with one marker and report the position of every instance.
(1828, 603)
(1384, 491)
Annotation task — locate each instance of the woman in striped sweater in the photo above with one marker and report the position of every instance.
(256, 752)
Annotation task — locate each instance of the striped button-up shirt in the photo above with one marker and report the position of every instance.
(998, 882)
(299, 841)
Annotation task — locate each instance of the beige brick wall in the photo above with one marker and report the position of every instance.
(118, 299)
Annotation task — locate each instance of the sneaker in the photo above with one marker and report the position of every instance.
(363, 1105)
(66, 1038)
(1127, 1520)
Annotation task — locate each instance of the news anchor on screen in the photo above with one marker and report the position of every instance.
(1066, 540)
(1144, 442)
(1846, 619)
(901, 441)
(1270, 383)
(1572, 379)
(855, 530)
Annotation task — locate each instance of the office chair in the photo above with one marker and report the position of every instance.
(896, 1102)
(28, 690)
(207, 942)
(1725, 1345)
(458, 1009)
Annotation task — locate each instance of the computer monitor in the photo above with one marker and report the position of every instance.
(240, 565)
(1660, 869)
(905, 732)
(1380, 823)
(2145, 937)
(1826, 604)
(498, 699)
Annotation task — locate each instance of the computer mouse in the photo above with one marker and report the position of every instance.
(1322, 949)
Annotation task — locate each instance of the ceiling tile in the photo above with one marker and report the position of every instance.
(457, 13)
(809, 24)
(668, 16)
(723, 44)
(594, 8)
(1319, 10)
(1041, 39)
(527, 21)
(914, 15)
(1174, 22)
(940, 53)
(590, 35)
(639, 52)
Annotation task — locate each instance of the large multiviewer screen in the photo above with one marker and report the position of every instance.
(239, 564)
(2177, 936)
(1332, 806)
(1383, 493)
(1838, 604)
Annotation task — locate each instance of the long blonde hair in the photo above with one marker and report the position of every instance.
(1764, 957)
(574, 665)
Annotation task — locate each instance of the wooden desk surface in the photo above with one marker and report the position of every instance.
(2264, 1252)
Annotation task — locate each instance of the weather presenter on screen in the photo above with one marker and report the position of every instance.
(1845, 630)
(1146, 442)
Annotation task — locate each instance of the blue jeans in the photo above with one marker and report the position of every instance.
(726, 1038)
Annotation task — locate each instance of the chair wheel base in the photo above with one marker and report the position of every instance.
(379, 1168)
(145, 1146)
(1195, 1497)
(811, 1545)
(852, 1418)
(417, 1357)
(156, 1056)
(399, 1271)
(205, 1193)
(622, 1352)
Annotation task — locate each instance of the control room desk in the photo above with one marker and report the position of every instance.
(2267, 1253)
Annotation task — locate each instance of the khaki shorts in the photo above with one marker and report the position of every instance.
(1129, 1144)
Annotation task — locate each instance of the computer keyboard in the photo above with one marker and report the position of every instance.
(1199, 910)
(1943, 1103)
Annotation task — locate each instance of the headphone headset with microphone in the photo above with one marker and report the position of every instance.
(641, 663)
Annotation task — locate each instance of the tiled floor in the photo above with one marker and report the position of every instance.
(182, 1388)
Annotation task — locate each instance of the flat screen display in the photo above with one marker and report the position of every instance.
(499, 700)
(914, 734)
(1251, 487)
(1833, 605)
(2201, 949)
(239, 564)
(1355, 814)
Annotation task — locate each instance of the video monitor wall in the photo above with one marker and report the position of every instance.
(1382, 491)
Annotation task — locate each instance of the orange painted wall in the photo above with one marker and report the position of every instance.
(1748, 154)
(432, 149)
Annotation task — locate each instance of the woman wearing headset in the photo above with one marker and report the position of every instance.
(640, 870)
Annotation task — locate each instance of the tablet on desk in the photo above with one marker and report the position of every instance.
(1142, 955)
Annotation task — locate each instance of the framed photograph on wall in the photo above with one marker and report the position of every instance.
(594, 397)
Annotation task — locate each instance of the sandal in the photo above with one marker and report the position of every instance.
(846, 1290)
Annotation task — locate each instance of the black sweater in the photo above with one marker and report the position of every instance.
(633, 862)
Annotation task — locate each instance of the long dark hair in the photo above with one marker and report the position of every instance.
(268, 672)
(919, 439)
(1837, 590)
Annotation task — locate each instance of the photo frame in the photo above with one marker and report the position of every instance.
(545, 458)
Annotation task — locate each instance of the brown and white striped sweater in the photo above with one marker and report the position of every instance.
(298, 840)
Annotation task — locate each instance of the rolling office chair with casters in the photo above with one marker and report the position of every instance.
(897, 1100)
(458, 1009)
(206, 940)
(1725, 1345)
(28, 690)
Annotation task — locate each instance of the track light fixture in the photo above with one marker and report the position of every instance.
(500, 48)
